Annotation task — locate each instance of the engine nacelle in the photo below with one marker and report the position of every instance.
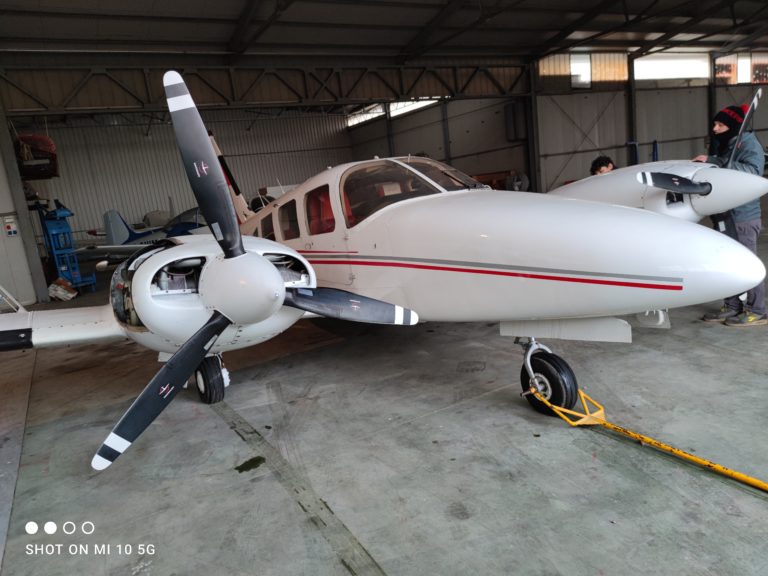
(164, 293)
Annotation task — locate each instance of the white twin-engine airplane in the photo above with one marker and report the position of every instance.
(409, 231)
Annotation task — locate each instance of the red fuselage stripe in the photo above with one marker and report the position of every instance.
(326, 252)
(501, 273)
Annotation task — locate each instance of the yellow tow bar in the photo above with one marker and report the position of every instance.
(597, 417)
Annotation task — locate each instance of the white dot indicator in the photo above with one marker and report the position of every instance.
(31, 527)
(50, 528)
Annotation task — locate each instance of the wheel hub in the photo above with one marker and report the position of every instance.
(542, 385)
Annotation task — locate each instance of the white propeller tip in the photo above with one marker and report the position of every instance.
(405, 317)
(100, 463)
(172, 77)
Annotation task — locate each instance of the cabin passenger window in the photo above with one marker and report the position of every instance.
(267, 228)
(369, 188)
(320, 219)
(289, 221)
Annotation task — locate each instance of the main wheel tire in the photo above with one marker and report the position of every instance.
(210, 380)
(559, 381)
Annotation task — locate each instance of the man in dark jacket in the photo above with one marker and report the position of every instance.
(749, 157)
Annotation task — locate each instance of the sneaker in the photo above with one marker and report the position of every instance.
(721, 316)
(747, 319)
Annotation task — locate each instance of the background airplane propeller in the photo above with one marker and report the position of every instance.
(674, 183)
(747, 119)
(240, 287)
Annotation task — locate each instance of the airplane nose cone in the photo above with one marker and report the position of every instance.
(730, 188)
(728, 268)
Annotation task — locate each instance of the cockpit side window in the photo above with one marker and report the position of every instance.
(267, 228)
(289, 220)
(369, 188)
(317, 205)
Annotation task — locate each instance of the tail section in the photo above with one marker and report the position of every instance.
(117, 229)
(242, 210)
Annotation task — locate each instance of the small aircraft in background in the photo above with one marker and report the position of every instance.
(121, 239)
(193, 297)
(119, 232)
(679, 188)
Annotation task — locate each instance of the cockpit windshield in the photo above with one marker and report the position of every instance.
(442, 174)
(370, 187)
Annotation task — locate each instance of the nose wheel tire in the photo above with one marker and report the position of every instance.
(210, 380)
(555, 381)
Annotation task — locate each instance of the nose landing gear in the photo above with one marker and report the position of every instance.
(549, 374)
(211, 378)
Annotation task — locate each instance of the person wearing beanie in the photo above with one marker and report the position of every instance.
(750, 158)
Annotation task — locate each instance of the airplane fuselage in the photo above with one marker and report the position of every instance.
(481, 254)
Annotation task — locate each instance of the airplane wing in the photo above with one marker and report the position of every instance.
(46, 328)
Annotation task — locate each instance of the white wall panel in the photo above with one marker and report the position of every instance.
(575, 128)
(477, 133)
(420, 132)
(135, 169)
(676, 119)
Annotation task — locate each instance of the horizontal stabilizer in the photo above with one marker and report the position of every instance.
(343, 305)
(674, 183)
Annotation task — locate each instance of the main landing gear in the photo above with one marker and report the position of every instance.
(549, 374)
(211, 378)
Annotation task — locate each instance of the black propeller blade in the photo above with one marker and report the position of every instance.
(160, 391)
(333, 303)
(674, 183)
(747, 119)
(202, 166)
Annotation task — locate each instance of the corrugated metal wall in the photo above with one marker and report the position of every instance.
(677, 119)
(574, 129)
(477, 131)
(120, 162)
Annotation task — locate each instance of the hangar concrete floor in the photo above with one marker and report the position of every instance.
(397, 451)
